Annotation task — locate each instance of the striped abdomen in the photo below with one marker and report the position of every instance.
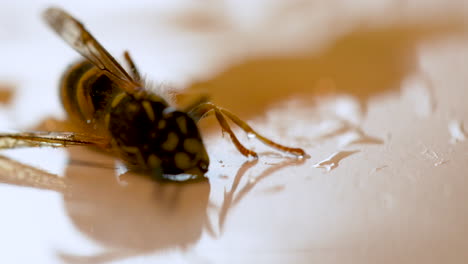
(86, 94)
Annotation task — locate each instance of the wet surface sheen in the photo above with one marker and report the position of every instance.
(381, 110)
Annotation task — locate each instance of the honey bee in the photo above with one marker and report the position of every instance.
(117, 114)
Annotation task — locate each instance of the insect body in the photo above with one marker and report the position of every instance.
(140, 128)
(116, 113)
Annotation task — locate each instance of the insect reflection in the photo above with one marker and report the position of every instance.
(111, 109)
(143, 217)
(235, 195)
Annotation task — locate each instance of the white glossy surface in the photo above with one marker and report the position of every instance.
(375, 91)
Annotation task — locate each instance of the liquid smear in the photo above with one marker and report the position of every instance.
(457, 132)
(432, 155)
(333, 161)
(357, 136)
(377, 169)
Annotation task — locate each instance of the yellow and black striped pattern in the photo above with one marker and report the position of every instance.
(143, 131)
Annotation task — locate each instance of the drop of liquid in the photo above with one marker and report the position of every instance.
(334, 159)
(252, 157)
(327, 167)
(437, 164)
(457, 132)
(251, 135)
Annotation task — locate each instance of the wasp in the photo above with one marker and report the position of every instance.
(115, 113)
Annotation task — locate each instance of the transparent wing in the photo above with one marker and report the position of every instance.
(76, 35)
(50, 139)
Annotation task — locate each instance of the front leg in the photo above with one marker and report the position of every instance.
(201, 110)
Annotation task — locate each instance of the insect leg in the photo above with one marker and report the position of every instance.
(201, 110)
(133, 68)
(248, 129)
(226, 128)
(195, 104)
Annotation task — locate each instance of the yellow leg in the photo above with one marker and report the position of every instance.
(226, 128)
(203, 109)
